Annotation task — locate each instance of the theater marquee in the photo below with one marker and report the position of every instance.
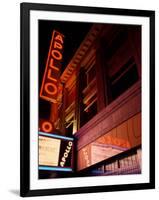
(55, 152)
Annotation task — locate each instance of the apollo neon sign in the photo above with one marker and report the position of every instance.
(49, 87)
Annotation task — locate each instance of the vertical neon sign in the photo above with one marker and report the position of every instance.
(49, 87)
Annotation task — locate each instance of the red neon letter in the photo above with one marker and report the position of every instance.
(56, 54)
(47, 126)
(52, 64)
(57, 45)
(53, 91)
(58, 37)
(50, 77)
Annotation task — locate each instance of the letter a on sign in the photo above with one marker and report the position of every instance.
(59, 38)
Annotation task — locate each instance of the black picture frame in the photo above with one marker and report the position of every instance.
(25, 9)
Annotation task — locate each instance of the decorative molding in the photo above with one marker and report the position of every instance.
(81, 51)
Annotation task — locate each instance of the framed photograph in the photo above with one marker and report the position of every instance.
(87, 99)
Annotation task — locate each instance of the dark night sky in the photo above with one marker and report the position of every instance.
(74, 33)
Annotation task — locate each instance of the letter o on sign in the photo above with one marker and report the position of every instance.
(51, 88)
(70, 143)
(65, 155)
(56, 54)
(47, 126)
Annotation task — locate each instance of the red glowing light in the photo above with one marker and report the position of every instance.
(49, 87)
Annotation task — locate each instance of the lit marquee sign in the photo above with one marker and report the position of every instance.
(55, 152)
(49, 87)
(48, 151)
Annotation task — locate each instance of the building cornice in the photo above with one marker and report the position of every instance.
(81, 52)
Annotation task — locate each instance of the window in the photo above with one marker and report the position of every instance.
(124, 78)
(69, 129)
(88, 113)
(91, 111)
(90, 74)
(88, 105)
(116, 43)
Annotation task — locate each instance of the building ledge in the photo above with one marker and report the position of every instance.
(121, 109)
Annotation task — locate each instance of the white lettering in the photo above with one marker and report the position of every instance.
(66, 154)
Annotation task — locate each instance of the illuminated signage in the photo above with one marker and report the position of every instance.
(46, 126)
(48, 151)
(49, 87)
(86, 156)
(101, 152)
(66, 154)
(55, 152)
(116, 141)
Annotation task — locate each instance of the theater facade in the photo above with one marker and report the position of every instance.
(98, 102)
